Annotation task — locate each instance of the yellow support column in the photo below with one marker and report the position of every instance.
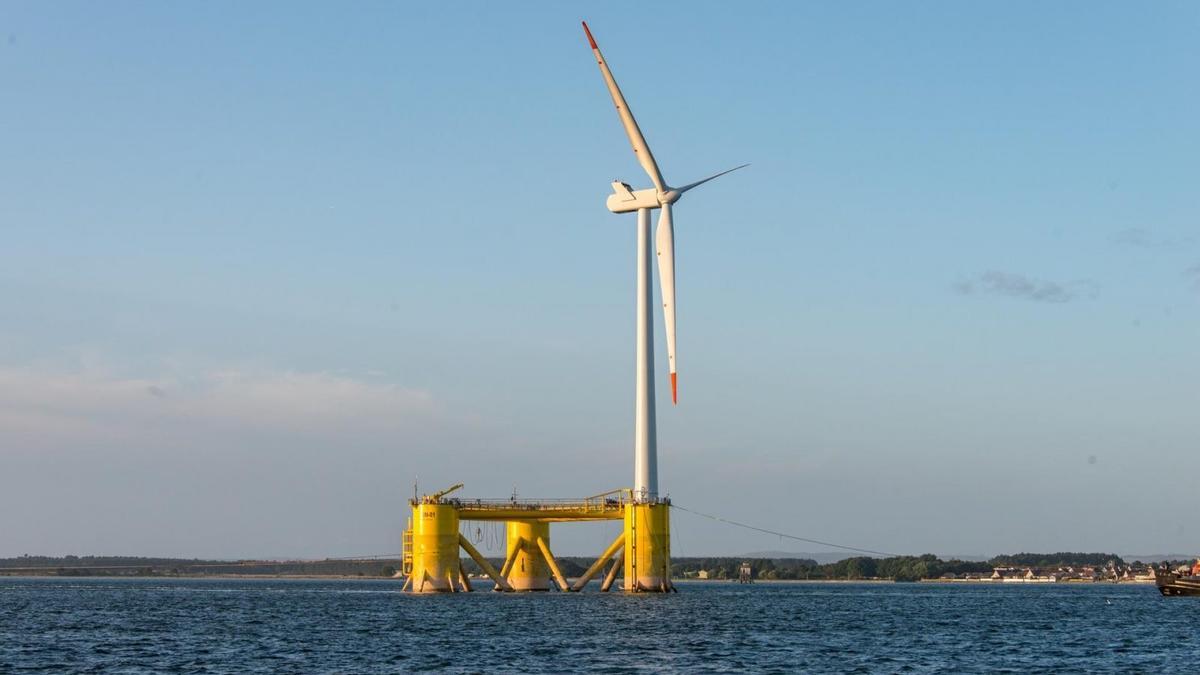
(527, 569)
(648, 548)
(435, 557)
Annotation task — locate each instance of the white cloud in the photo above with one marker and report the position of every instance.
(1020, 286)
(1194, 273)
(40, 408)
(231, 463)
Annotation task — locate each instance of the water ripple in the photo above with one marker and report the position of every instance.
(315, 626)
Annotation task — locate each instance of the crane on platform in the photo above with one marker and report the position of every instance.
(438, 495)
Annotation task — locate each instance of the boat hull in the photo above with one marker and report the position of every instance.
(1170, 583)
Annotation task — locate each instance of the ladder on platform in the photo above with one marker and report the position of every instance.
(406, 551)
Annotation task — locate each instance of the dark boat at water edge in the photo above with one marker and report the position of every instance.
(1178, 581)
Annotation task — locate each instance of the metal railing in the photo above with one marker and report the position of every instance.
(606, 501)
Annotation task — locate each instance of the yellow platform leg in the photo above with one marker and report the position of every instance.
(436, 564)
(648, 548)
(527, 568)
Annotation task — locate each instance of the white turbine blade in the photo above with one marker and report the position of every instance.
(665, 245)
(689, 186)
(631, 128)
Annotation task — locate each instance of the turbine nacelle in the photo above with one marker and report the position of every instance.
(625, 199)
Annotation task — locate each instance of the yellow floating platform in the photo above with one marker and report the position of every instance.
(432, 561)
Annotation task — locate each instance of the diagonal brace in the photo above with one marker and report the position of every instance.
(599, 564)
(558, 575)
(512, 558)
(483, 563)
(612, 573)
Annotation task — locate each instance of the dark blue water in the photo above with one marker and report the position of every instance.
(284, 626)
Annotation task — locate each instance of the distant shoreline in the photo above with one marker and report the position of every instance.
(484, 579)
(332, 577)
(982, 582)
(1021, 568)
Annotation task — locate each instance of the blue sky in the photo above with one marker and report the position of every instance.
(262, 265)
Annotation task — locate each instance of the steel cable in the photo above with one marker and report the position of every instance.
(783, 535)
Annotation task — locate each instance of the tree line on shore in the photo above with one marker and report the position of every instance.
(111, 566)
(899, 568)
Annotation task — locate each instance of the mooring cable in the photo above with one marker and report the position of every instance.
(785, 535)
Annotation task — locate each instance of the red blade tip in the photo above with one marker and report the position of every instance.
(674, 389)
(591, 39)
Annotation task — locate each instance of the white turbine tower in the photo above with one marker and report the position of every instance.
(624, 200)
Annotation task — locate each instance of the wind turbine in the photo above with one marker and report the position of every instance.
(624, 200)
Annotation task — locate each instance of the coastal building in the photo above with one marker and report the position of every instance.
(745, 573)
(1022, 575)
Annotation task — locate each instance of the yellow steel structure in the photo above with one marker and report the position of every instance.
(431, 557)
(435, 560)
(648, 540)
(599, 564)
(607, 506)
(549, 557)
(501, 583)
(609, 578)
(526, 567)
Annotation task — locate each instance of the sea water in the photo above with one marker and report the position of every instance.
(153, 625)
